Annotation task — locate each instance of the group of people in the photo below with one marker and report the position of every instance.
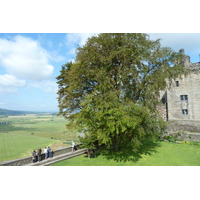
(38, 156)
(47, 153)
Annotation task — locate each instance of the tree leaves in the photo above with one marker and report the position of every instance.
(111, 90)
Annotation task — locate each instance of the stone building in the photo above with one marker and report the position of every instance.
(182, 100)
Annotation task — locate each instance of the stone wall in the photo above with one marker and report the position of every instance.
(183, 125)
(184, 109)
(27, 160)
(189, 137)
(190, 86)
(162, 111)
(184, 130)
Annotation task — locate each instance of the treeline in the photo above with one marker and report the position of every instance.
(13, 112)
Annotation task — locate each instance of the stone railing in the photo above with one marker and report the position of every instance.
(27, 160)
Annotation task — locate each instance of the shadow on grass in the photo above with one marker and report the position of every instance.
(127, 154)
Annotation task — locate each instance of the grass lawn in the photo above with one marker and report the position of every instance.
(25, 133)
(14, 146)
(42, 126)
(168, 154)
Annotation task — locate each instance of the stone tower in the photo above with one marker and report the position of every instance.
(182, 100)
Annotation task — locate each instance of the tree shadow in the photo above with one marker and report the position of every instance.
(147, 147)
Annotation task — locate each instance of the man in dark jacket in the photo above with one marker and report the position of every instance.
(34, 156)
(39, 153)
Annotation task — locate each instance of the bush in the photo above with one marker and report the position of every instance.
(182, 142)
(187, 142)
(195, 143)
(170, 138)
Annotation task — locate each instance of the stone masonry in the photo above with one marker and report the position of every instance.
(182, 100)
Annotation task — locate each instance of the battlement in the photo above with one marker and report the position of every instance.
(193, 66)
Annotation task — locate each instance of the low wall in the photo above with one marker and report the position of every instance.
(189, 137)
(27, 160)
(183, 125)
(183, 130)
(185, 136)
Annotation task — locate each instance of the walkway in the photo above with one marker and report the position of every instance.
(58, 158)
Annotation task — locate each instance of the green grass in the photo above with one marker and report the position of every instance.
(42, 126)
(25, 133)
(14, 146)
(168, 154)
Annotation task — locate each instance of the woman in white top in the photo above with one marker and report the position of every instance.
(73, 144)
(45, 152)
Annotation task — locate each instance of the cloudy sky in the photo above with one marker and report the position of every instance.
(29, 64)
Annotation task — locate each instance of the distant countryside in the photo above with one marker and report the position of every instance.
(132, 97)
(20, 135)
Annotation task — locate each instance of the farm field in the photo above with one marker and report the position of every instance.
(25, 133)
(168, 154)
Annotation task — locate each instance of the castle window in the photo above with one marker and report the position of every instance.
(184, 97)
(177, 83)
(185, 111)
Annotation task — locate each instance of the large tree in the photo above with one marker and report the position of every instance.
(111, 90)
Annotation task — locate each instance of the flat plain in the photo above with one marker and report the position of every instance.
(23, 134)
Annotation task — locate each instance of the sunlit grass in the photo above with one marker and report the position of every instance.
(168, 154)
(25, 133)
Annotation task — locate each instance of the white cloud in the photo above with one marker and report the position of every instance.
(25, 58)
(9, 83)
(46, 86)
(8, 80)
(188, 41)
(78, 38)
(4, 90)
(56, 57)
(74, 40)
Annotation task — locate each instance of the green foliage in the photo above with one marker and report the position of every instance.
(195, 143)
(111, 90)
(170, 138)
(191, 142)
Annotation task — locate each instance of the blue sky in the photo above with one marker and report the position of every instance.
(29, 64)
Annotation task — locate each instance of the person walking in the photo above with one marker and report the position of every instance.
(45, 152)
(34, 156)
(39, 154)
(73, 145)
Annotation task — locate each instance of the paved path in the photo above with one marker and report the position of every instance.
(65, 156)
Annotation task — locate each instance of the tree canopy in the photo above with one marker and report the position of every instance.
(111, 91)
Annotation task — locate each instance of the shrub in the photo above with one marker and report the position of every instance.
(195, 143)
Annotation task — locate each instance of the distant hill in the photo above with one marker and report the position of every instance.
(14, 112)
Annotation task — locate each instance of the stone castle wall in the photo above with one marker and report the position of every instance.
(190, 86)
(184, 109)
(174, 126)
(186, 130)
